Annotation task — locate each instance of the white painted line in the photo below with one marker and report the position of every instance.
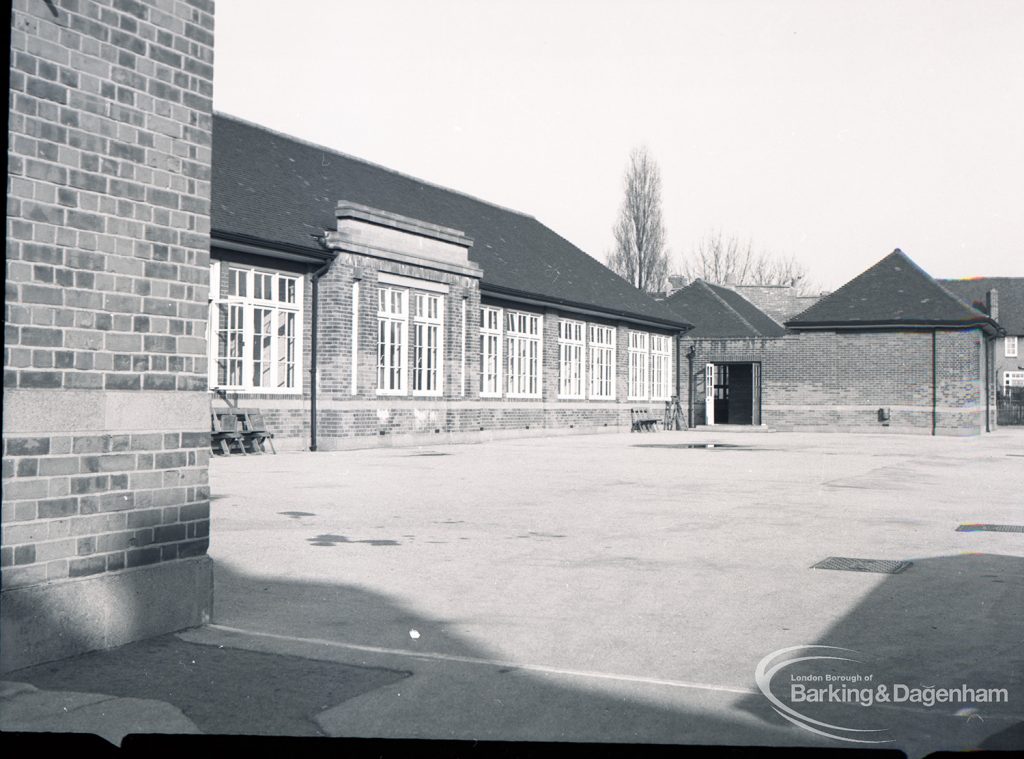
(489, 662)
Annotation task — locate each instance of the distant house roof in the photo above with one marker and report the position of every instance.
(895, 292)
(273, 190)
(780, 302)
(717, 311)
(1010, 290)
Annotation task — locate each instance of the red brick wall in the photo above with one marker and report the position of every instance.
(106, 424)
(840, 380)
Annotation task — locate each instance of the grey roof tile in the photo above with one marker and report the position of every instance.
(280, 190)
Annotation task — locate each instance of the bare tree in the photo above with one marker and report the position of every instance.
(735, 262)
(639, 256)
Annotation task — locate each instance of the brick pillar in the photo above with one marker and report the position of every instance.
(106, 416)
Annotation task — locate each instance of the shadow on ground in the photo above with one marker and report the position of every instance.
(226, 690)
(221, 690)
(945, 622)
(944, 617)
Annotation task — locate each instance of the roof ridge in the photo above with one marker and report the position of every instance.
(942, 288)
(343, 154)
(722, 300)
(977, 279)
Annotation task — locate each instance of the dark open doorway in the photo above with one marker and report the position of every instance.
(734, 394)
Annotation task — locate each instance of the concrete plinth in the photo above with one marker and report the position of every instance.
(58, 619)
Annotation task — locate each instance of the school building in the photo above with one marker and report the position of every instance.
(892, 350)
(356, 306)
(162, 258)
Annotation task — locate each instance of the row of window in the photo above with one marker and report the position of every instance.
(256, 332)
(427, 323)
(522, 360)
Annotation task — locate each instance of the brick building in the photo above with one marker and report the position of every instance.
(424, 314)
(890, 350)
(106, 412)
(1002, 298)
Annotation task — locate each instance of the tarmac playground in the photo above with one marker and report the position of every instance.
(609, 588)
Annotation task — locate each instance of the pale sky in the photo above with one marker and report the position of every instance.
(830, 131)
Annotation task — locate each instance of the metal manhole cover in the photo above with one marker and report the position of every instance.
(990, 528)
(883, 566)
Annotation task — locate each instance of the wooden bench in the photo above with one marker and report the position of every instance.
(255, 431)
(240, 429)
(641, 420)
(225, 432)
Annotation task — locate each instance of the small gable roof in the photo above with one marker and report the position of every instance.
(1010, 290)
(273, 190)
(895, 292)
(717, 311)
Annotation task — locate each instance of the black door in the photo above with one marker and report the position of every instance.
(741, 394)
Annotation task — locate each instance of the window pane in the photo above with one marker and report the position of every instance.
(286, 350)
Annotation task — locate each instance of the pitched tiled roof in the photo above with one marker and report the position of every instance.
(894, 292)
(1010, 291)
(717, 311)
(277, 190)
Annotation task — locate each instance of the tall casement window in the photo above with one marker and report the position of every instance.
(426, 344)
(392, 315)
(570, 359)
(661, 367)
(490, 351)
(1010, 347)
(523, 360)
(255, 326)
(639, 358)
(602, 361)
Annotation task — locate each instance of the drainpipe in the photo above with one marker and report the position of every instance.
(690, 353)
(312, 349)
(989, 343)
(935, 388)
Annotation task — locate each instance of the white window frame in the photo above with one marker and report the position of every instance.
(392, 315)
(427, 343)
(571, 364)
(1010, 346)
(601, 346)
(244, 305)
(1013, 379)
(492, 321)
(524, 369)
(661, 367)
(639, 362)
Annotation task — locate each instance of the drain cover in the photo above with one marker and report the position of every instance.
(430, 453)
(884, 566)
(990, 528)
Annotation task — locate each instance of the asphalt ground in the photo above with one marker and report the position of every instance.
(615, 588)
